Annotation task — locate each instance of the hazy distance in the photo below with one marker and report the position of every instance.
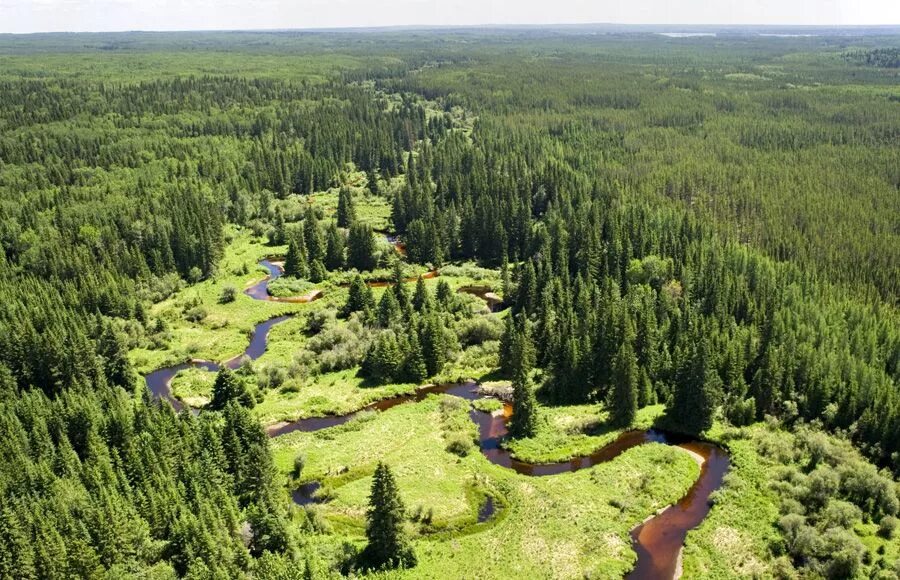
(21, 16)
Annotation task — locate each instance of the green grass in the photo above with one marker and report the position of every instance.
(225, 330)
(572, 431)
(562, 526)
(335, 393)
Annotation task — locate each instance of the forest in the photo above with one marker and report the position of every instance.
(452, 303)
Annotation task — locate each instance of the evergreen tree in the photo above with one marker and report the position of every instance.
(414, 367)
(388, 310)
(334, 247)
(361, 247)
(312, 236)
(523, 422)
(697, 392)
(421, 300)
(359, 299)
(623, 402)
(434, 348)
(346, 209)
(387, 545)
(116, 365)
(384, 360)
(295, 263)
(227, 388)
(399, 288)
(317, 271)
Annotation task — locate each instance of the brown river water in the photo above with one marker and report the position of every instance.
(657, 541)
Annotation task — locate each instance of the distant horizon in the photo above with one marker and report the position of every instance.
(648, 27)
(47, 16)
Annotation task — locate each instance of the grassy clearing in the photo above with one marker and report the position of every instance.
(572, 431)
(564, 526)
(224, 330)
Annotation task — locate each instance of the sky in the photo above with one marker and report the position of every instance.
(114, 15)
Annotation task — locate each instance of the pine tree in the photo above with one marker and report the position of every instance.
(421, 301)
(387, 545)
(229, 388)
(317, 271)
(346, 209)
(623, 402)
(524, 418)
(697, 392)
(384, 360)
(388, 310)
(312, 236)
(359, 299)
(334, 247)
(433, 344)
(116, 365)
(295, 263)
(361, 247)
(414, 368)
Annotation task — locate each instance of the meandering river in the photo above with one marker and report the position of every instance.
(658, 541)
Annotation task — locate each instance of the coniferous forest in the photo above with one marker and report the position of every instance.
(449, 303)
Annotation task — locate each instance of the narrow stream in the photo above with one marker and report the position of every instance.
(657, 541)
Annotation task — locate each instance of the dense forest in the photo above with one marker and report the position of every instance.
(704, 226)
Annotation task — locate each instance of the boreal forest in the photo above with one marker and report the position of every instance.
(586, 302)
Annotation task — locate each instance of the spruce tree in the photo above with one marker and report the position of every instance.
(317, 271)
(312, 236)
(295, 263)
(697, 392)
(361, 247)
(359, 299)
(523, 422)
(346, 209)
(388, 310)
(434, 348)
(414, 367)
(623, 402)
(334, 247)
(384, 360)
(228, 387)
(387, 545)
(421, 301)
(116, 365)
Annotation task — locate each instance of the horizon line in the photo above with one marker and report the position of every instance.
(508, 25)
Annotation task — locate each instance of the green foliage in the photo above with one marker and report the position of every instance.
(387, 545)
(227, 388)
(525, 414)
(346, 209)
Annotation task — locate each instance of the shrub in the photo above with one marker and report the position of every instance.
(195, 275)
(459, 444)
(888, 527)
(195, 314)
(229, 294)
(478, 330)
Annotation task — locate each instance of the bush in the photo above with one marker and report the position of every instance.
(839, 514)
(195, 314)
(888, 527)
(229, 294)
(195, 275)
(741, 412)
(478, 330)
(317, 320)
(459, 444)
